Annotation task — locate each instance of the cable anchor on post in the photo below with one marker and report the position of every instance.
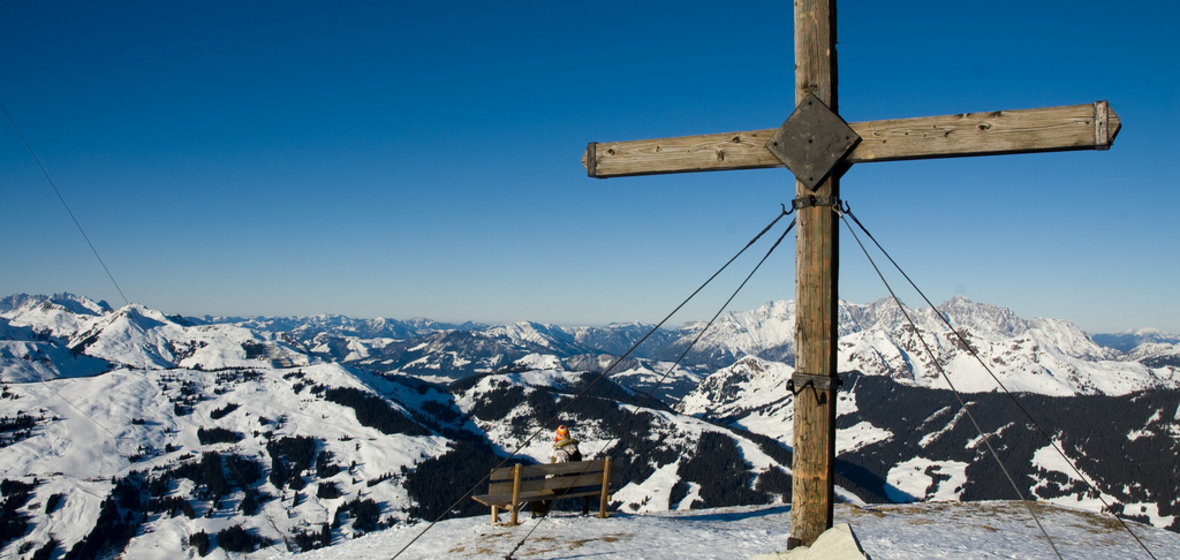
(800, 381)
(812, 200)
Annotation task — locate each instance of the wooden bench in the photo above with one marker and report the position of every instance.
(512, 487)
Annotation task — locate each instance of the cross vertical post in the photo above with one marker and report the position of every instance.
(817, 259)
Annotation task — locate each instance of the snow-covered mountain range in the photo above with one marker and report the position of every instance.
(128, 430)
(1041, 355)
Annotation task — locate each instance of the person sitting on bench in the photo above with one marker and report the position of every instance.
(565, 450)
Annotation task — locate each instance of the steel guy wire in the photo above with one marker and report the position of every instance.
(672, 367)
(971, 350)
(958, 396)
(544, 426)
(126, 302)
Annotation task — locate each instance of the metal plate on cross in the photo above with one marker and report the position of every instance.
(812, 141)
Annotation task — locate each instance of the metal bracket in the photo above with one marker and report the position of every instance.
(800, 381)
(812, 200)
(812, 141)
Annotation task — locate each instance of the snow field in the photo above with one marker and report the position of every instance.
(943, 530)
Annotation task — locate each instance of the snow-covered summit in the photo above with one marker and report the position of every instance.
(982, 318)
(59, 315)
(14, 305)
(975, 531)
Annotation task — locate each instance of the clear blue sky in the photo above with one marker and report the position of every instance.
(423, 159)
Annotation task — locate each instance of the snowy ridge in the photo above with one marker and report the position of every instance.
(752, 394)
(1045, 356)
(768, 331)
(139, 337)
(903, 441)
(1127, 341)
(58, 315)
(96, 429)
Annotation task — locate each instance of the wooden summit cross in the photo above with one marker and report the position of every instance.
(818, 146)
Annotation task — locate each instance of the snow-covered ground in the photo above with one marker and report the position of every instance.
(954, 530)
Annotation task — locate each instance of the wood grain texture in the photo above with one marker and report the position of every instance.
(1071, 127)
(1050, 129)
(817, 262)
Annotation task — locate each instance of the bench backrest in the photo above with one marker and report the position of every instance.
(553, 476)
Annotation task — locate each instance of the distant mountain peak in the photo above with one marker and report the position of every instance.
(80, 305)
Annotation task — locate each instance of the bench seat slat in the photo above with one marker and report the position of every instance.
(547, 483)
(548, 469)
(576, 467)
(562, 482)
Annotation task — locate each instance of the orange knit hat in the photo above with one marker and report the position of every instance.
(562, 433)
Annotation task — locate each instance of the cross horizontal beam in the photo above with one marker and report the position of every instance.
(1091, 126)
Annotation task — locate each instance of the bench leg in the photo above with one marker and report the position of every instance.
(495, 515)
(515, 492)
(604, 496)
